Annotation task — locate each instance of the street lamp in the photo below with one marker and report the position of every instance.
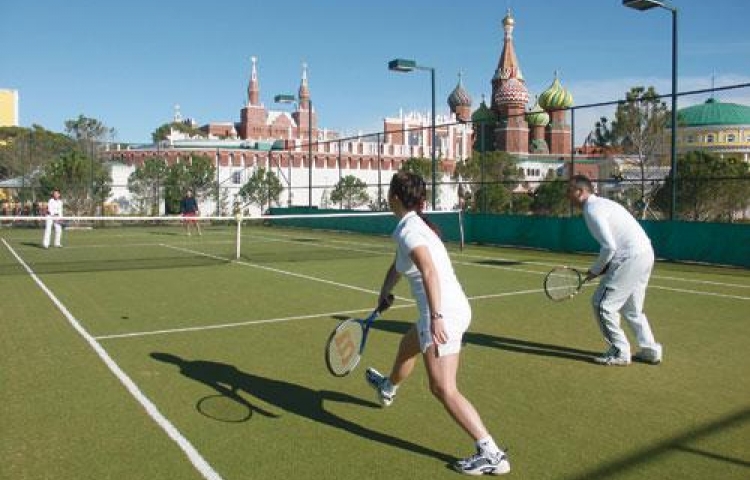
(646, 5)
(291, 99)
(402, 65)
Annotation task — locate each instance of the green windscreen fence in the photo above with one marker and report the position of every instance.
(714, 243)
(373, 223)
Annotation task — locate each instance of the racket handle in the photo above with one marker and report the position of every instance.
(386, 303)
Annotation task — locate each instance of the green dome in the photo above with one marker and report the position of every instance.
(537, 117)
(483, 114)
(714, 113)
(555, 97)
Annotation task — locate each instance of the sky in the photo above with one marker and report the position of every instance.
(128, 64)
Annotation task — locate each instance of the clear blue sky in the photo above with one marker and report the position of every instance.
(128, 63)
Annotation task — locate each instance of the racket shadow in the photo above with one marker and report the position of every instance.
(504, 343)
(288, 397)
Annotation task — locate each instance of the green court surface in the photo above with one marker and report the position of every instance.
(142, 353)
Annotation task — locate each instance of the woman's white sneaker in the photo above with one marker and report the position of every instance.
(483, 463)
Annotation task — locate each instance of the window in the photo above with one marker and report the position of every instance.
(731, 138)
(710, 138)
(691, 139)
(237, 177)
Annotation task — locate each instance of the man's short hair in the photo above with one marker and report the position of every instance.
(582, 182)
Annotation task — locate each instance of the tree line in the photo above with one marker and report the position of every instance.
(708, 187)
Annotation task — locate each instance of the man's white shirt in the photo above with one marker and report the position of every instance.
(55, 207)
(619, 234)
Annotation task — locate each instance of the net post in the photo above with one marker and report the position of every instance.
(461, 229)
(238, 246)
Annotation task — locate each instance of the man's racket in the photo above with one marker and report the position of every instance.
(562, 283)
(346, 344)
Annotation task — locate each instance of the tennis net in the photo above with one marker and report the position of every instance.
(92, 243)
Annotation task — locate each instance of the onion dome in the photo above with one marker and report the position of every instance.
(513, 91)
(556, 97)
(459, 97)
(483, 114)
(460, 102)
(537, 117)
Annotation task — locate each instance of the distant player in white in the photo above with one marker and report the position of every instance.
(54, 211)
(625, 260)
(444, 316)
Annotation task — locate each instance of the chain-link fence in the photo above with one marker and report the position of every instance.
(624, 146)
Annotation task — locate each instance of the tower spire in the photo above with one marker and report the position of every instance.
(253, 88)
(304, 89)
(507, 66)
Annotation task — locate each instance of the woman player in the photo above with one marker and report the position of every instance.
(444, 316)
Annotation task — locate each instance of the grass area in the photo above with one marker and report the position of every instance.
(230, 355)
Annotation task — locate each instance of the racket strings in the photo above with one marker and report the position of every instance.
(562, 283)
(342, 351)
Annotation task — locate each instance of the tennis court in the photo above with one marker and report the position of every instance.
(142, 353)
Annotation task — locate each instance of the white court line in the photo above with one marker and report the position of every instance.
(284, 238)
(352, 287)
(276, 270)
(193, 455)
(550, 264)
(237, 324)
(696, 292)
(284, 319)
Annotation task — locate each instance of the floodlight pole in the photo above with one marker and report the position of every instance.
(646, 5)
(290, 99)
(402, 65)
(309, 153)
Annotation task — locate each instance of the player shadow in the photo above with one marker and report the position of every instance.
(501, 263)
(33, 245)
(681, 443)
(503, 343)
(287, 397)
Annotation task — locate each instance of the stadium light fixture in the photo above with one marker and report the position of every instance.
(647, 5)
(405, 66)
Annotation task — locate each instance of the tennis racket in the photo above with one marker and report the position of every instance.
(563, 283)
(347, 342)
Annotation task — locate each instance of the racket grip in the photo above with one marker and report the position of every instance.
(386, 303)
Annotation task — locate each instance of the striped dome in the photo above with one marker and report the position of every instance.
(713, 112)
(512, 91)
(555, 97)
(459, 97)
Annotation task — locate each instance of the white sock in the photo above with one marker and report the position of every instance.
(488, 445)
(389, 387)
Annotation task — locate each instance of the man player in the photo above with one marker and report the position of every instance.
(626, 259)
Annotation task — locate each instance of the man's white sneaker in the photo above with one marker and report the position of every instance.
(646, 355)
(483, 463)
(377, 380)
(612, 360)
(613, 356)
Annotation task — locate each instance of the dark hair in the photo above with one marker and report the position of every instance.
(582, 182)
(411, 190)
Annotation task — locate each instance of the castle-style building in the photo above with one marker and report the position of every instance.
(278, 140)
